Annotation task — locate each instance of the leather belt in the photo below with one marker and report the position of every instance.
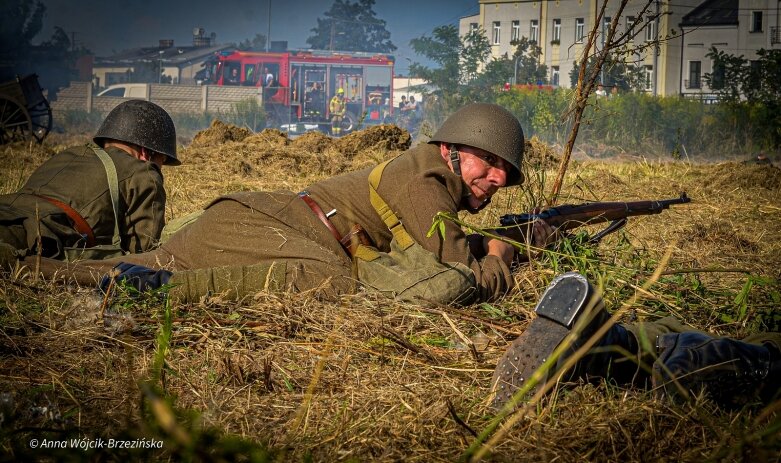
(79, 224)
(320, 214)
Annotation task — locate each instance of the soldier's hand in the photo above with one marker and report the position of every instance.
(500, 249)
(139, 277)
(542, 234)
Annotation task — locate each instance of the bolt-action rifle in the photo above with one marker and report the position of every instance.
(569, 216)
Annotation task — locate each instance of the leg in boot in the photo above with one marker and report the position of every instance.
(570, 304)
(732, 373)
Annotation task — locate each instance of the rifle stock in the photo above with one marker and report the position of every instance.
(569, 216)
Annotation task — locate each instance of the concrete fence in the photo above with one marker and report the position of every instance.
(173, 98)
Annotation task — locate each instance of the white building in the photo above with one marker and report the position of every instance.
(736, 27)
(561, 27)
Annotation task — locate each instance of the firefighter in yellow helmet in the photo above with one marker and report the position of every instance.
(337, 109)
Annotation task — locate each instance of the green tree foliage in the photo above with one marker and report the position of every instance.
(257, 43)
(615, 73)
(727, 78)
(53, 60)
(734, 77)
(349, 26)
(458, 77)
(20, 22)
(641, 123)
(751, 91)
(529, 69)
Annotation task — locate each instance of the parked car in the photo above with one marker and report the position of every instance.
(125, 90)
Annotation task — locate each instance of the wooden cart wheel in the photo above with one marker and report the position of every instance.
(15, 122)
(41, 119)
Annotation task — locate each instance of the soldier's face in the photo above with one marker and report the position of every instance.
(484, 172)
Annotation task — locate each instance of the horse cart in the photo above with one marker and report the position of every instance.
(24, 112)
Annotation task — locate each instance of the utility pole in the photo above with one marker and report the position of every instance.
(268, 35)
(656, 49)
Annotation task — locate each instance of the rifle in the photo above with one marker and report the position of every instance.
(569, 216)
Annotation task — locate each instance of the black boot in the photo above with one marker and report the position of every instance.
(570, 303)
(732, 373)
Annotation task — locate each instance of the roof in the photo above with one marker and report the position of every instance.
(713, 13)
(172, 56)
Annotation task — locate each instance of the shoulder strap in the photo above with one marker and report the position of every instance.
(113, 186)
(392, 221)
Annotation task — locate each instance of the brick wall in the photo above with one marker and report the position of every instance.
(220, 99)
(173, 98)
(73, 97)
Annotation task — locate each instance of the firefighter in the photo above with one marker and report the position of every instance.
(66, 205)
(337, 108)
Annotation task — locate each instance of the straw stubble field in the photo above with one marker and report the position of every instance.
(291, 377)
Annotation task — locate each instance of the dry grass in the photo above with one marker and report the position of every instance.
(366, 378)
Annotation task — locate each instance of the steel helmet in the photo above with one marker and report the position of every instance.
(141, 123)
(489, 127)
(340, 91)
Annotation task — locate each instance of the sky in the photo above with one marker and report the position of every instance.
(109, 26)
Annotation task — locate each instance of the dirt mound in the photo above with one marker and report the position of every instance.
(719, 234)
(539, 154)
(315, 142)
(380, 137)
(268, 137)
(732, 174)
(218, 133)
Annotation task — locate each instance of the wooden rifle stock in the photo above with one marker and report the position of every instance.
(569, 216)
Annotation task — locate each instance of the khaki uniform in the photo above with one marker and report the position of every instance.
(77, 177)
(279, 236)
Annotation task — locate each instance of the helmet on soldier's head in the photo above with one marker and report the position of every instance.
(141, 123)
(340, 91)
(489, 127)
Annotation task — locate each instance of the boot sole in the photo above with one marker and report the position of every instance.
(525, 356)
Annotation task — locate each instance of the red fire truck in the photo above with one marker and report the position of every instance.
(298, 85)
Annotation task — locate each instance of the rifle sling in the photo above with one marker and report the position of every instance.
(79, 224)
(113, 187)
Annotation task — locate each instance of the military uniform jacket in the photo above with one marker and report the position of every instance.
(78, 178)
(416, 186)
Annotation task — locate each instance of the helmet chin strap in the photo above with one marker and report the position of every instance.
(455, 162)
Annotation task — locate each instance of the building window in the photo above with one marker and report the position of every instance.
(557, 30)
(650, 30)
(554, 76)
(717, 77)
(580, 28)
(695, 67)
(630, 23)
(497, 32)
(605, 28)
(472, 27)
(756, 21)
(649, 78)
(534, 31)
(515, 33)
